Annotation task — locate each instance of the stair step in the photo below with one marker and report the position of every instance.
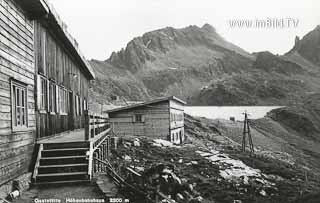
(62, 165)
(63, 168)
(64, 149)
(63, 157)
(61, 182)
(44, 161)
(62, 153)
(62, 174)
(65, 145)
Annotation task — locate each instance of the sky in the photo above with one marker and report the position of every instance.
(104, 26)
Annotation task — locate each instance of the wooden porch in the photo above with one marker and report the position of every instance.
(69, 136)
(69, 156)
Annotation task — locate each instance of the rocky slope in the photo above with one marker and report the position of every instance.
(309, 46)
(284, 168)
(287, 145)
(198, 65)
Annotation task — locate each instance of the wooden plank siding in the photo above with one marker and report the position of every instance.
(55, 63)
(176, 122)
(155, 121)
(16, 62)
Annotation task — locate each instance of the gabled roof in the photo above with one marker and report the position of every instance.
(37, 9)
(147, 103)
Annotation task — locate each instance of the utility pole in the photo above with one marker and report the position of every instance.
(246, 131)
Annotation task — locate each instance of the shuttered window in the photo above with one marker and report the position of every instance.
(19, 103)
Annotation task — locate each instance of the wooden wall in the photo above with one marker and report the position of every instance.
(155, 121)
(16, 61)
(176, 122)
(176, 114)
(55, 62)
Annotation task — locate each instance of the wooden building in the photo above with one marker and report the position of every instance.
(44, 81)
(161, 118)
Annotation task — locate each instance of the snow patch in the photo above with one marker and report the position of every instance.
(163, 143)
(234, 170)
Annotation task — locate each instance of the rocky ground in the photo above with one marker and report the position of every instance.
(211, 163)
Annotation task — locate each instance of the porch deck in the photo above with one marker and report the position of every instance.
(70, 136)
(68, 157)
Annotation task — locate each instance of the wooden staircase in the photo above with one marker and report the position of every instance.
(62, 163)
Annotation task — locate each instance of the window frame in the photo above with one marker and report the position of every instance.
(52, 103)
(80, 106)
(22, 86)
(76, 101)
(43, 97)
(135, 116)
(85, 104)
(62, 100)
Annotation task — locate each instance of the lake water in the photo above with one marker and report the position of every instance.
(225, 112)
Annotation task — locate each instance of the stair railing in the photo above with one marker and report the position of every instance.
(37, 164)
(97, 132)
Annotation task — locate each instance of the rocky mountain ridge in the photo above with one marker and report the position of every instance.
(201, 67)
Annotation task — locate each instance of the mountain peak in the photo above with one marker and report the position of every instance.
(309, 46)
(208, 27)
(158, 43)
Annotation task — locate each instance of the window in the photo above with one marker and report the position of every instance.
(43, 89)
(52, 97)
(19, 105)
(85, 104)
(63, 100)
(80, 106)
(176, 117)
(138, 118)
(77, 104)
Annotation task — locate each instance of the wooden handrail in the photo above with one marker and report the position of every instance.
(37, 164)
(99, 139)
(95, 125)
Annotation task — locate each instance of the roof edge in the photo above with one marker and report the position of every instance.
(69, 38)
(146, 103)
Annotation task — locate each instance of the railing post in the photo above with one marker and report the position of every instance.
(108, 147)
(95, 162)
(87, 125)
(91, 161)
(101, 153)
(94, 126)
(104, 151)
